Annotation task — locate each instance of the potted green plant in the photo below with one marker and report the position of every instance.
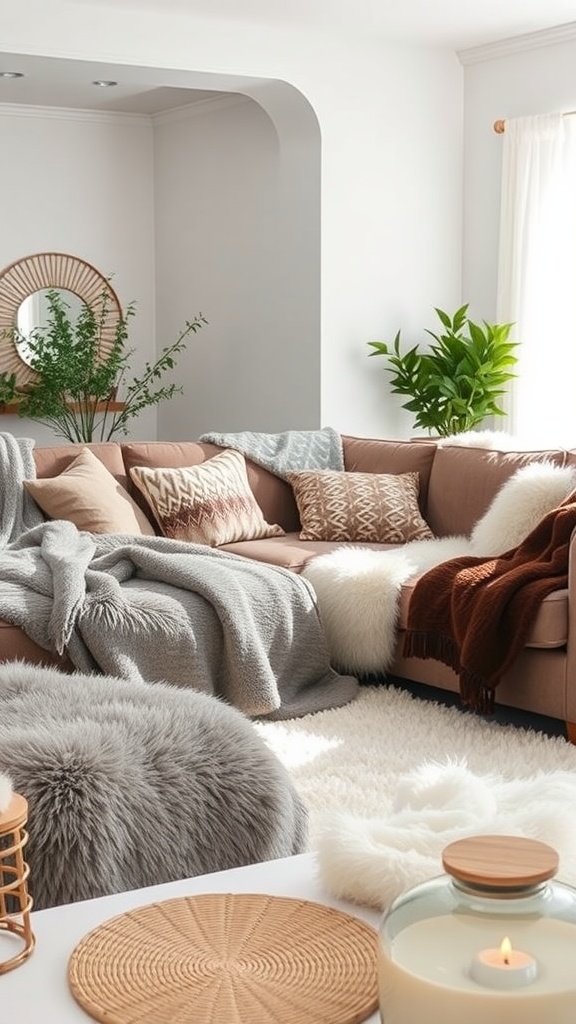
(80, 388)
(456, 382)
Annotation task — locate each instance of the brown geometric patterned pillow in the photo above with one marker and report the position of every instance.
(211, 503)
(370, 507)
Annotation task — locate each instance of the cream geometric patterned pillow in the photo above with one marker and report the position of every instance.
(370, 507)
(211, 503)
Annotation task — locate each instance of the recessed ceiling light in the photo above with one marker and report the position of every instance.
(11, 74)
(103, 83)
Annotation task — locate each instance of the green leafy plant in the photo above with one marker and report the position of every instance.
(454, 384)
(81, 390)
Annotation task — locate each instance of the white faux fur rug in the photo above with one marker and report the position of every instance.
(390, 779)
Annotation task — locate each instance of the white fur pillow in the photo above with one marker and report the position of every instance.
(498, 440)
(5, 792)
(532, 492)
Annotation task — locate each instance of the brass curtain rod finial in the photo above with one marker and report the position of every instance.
(500, 126)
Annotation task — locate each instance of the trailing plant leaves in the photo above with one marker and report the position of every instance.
(77, 376)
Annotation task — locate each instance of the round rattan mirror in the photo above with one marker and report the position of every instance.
(36, 273)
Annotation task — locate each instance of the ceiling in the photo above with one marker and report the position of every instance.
(457, 24)
(51, 82)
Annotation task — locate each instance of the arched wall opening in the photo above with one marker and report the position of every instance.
(210, 206)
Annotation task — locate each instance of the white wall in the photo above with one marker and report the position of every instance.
(390, 120)
(223, 248)
(532, 81)
(392, 227)
(81, 183)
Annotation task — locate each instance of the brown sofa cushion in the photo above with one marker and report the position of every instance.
(549, 630)
(464, 481)
(375, 455)
(50, 461)
(289, 551)
(16, 645)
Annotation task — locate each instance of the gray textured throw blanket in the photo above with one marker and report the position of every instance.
(287, 452)
(150, 608)
(18, 511)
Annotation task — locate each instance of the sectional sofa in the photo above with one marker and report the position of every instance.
(455, 485)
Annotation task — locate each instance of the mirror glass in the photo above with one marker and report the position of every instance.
(34, 313)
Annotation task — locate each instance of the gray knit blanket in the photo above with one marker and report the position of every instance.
(154, 609)
(286, 452)
(18, 510)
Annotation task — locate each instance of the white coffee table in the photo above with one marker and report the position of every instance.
(37, 992)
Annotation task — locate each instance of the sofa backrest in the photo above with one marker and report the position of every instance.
(274, 496)
(457, 482)
(464, 481)
(50, 461)
(377, 455)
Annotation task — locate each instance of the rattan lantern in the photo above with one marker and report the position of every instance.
(15, 901)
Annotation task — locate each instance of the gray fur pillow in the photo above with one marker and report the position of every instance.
(131, 784)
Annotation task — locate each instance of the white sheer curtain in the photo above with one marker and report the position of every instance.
(537, 275)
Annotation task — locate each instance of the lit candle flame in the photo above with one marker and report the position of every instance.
(506, 949)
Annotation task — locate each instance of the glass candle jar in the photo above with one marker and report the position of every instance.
(493, 941)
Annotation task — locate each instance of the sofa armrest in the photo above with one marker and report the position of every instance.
(570, 681)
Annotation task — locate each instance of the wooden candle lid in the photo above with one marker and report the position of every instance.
(500, 861)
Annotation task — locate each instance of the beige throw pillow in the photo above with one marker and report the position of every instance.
(211, 503)
(89, 496)
(369, 507)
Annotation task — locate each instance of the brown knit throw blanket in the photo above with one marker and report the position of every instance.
(475, 614)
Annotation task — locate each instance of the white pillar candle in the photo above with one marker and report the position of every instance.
(426, 974)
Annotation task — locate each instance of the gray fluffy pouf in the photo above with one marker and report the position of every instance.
(133, 784)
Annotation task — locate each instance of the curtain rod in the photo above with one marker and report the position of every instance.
(500, 126)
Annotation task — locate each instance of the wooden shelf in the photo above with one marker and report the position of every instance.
(10, 410)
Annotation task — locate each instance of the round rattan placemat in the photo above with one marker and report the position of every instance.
(229, 958)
